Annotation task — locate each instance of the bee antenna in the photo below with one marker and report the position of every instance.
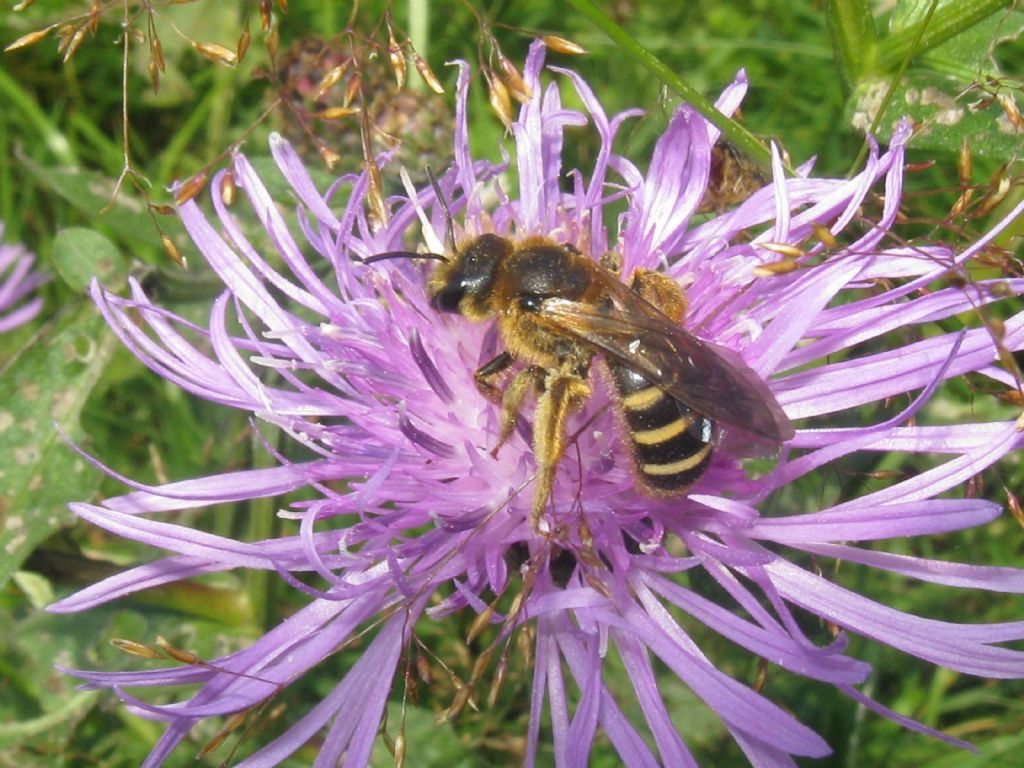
(449, 232)
(403, 255)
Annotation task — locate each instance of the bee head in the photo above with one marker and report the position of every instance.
(466, 282)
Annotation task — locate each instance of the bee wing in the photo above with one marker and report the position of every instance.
(712, 380)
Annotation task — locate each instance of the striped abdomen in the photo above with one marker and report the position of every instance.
(671, 443)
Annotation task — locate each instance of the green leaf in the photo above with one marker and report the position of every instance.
(48, 381)
(944, 118)
(952, 95)
(910, 12)
(41, 713)
(36, 588)
(950, 19)
(40, 703)
(80, 254)
(121, 214)
(971, 53)
(18, 100)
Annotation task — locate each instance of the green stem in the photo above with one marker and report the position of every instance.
(854, 38)
(71, 709)
(947, 22)
(419, 33)
(260, 526)
(7, 203)
(419, 26)
(228, 606)
(735, 133)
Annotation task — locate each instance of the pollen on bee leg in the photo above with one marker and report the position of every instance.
(661, 291)
(563, 392)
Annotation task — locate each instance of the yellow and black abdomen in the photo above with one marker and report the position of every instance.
(671, 443)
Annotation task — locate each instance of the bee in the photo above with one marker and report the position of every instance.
(556, 309)
(733, 178)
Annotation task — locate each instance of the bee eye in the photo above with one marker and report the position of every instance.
(530, 302)
(470, 276)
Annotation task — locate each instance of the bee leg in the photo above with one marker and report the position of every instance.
(487, 373)
(564, 390)
(530, 378)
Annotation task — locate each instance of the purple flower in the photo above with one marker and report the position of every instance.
(352, 361)
(18, 283)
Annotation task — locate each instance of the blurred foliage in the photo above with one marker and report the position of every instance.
(90, 203)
